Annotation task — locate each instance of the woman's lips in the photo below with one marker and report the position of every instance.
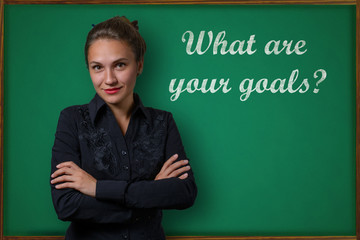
(112, 90)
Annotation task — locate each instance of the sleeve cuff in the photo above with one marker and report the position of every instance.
(111, 190)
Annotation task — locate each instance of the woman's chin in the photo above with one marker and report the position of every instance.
(115, 99)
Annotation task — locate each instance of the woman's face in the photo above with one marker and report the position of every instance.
(113, 70)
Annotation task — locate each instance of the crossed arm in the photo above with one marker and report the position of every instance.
(70, 175)
(77, 195)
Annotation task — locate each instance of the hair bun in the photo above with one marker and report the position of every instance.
(135, 24)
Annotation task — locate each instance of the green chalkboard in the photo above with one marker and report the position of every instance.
(270, 155)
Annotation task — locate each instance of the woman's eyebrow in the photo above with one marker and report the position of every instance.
(117, 60)
(94, 62)
(121, 59)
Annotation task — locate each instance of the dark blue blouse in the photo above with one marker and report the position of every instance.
(128, 201)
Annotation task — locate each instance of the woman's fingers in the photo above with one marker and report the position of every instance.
(64, 178)
(68, 164)
(179, 171)
(173, 169)
(65, 185)
(184, 176)
(64, 168)
(169, 162)
(62, 171)
(70, 175)
(175, 166)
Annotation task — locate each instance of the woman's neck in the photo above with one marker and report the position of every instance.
(122, 112)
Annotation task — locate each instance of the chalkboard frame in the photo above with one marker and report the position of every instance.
(158, 2)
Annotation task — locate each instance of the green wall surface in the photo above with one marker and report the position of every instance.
(277, 163)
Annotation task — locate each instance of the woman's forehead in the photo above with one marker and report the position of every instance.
(110, 50)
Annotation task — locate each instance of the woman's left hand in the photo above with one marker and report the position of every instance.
(70, 175)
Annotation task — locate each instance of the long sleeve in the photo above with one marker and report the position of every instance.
(172, 193)
(70, 204)
(117, 201)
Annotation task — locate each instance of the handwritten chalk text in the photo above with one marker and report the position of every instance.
(247, 86)
(194, 85)
(273, 47)
(235, 47)
(217, 43)
(278, 85)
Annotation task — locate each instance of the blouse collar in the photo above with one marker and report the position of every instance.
(97, 103)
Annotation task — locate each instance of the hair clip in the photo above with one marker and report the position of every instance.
(135, 24)
(93, 25)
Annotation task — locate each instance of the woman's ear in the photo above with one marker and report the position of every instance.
(140, 65)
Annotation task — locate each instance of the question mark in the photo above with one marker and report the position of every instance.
(323, 76)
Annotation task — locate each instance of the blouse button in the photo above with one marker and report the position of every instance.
(123, 152)
(125, 167)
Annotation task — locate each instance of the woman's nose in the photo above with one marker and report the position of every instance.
(110, 78)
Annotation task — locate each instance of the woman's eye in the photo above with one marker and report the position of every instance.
(96, 67)
(120, 65)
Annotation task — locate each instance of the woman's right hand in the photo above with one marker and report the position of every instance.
(173, 169)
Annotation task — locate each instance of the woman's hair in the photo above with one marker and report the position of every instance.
(117, 28)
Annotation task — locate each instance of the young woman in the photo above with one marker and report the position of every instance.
(115, 163)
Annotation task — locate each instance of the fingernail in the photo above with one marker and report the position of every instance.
(175, 155)
(188, 167)
(186, 161)
(58, 165)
